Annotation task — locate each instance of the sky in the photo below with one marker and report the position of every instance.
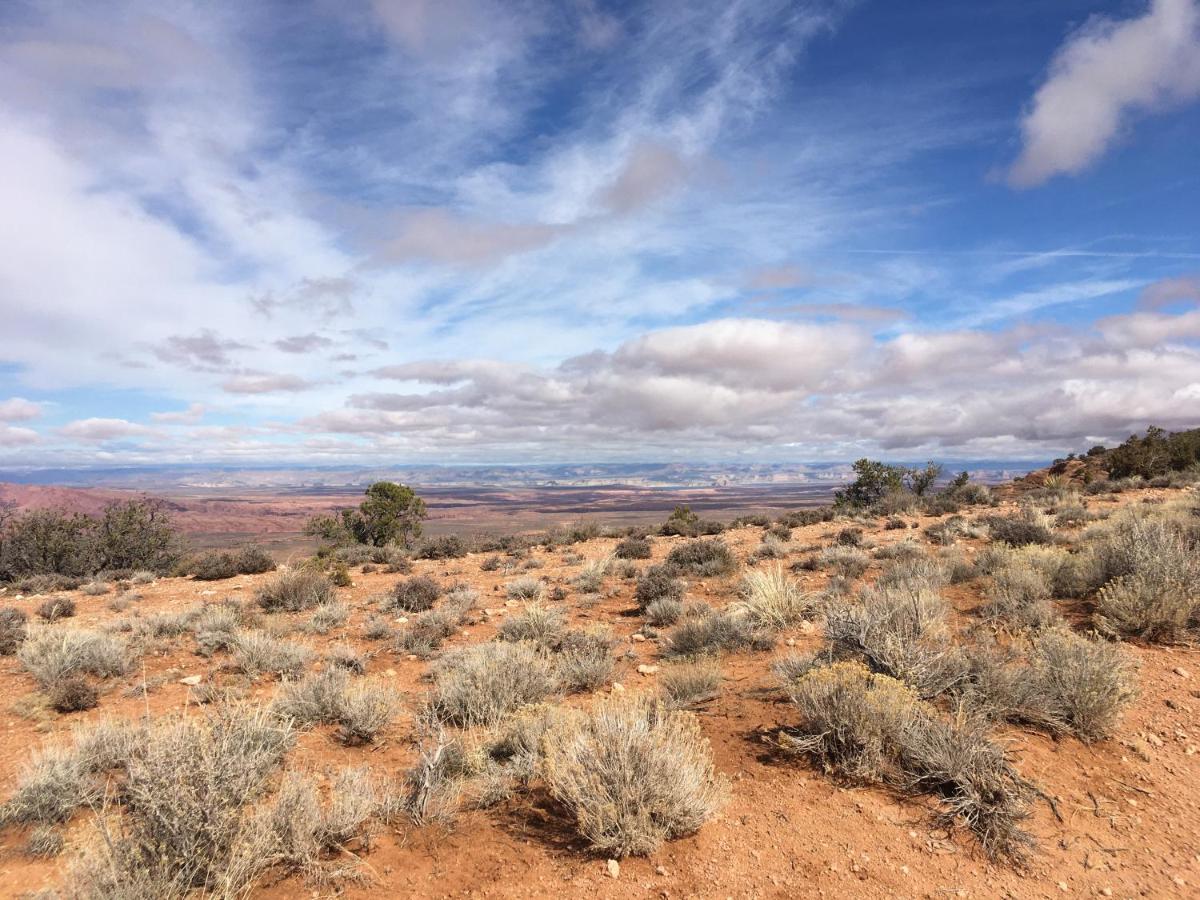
(413, 231)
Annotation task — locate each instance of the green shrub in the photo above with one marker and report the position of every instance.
(636, 547)
(657, 583)
(449, 546)
(415, 594)
(702, 558)
(12, 629)
(56, 608)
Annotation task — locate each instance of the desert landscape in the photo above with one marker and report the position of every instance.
(691, 450)
(914, 692)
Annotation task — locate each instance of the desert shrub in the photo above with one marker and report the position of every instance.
(906, 549)
(851, 536)
(344, 657)
(48, 542)
(72, 693)
(339, 574)
(1072, 516)
(1018, 531)
(1019, 596)
(636, 547)
(683, 521)
(657, 583)
(185, 826)
(949, 531)
(377, 629)
(55, 608)
(591, 578)
(1083, 684)
(49, 788)
(850, 718)
(433, 787)
(770, 548)
(973, 780)
(913, 574)
(301, 828)
(714, 631)
(773, 600)
(328, 616)
(50, 654)
(425, 632)
(254, 560)
(360, 709)
(798, 518)
(525, 588)
(257, 653)
(633, 773)
(214, 566)
(12, 629)
(902, 632)
(448, 546)
(702, 558)
(94, 588)
(391, 514)
(538, 624)
(583, 664)
(870, 727)
(482, 684)
(415, 594)
(491, 564)
(1152, 574)
(294, 590)
(663, 611)
(688, 684)
(849, 562)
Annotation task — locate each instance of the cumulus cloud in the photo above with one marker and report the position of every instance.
(760, 384)
(12, 436)
(1168, 291)
(205, 350)
(303, 343)
(101, 429)
(194, 413)
(264, 384)
(1106, 71)
(17, 409)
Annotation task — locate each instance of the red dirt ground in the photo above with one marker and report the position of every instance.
(1128, 822)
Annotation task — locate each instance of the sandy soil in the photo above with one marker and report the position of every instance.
(1128, 809)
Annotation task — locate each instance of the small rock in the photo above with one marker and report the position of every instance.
(1064, 887)
(402, 620)
(412, 657)
(618, 688)
(614, 868)
(210, 593)
(647, 670)
(1182, 672)
(191, 679)
(390, 673)
(637, 637)
(660, 870)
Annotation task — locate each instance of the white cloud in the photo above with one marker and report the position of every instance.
(264, 384)
(101, 429)
(17, 409)
(1106, 71)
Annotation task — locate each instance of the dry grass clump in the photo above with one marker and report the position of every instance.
(360, 709)
(591, 578)
(771, 548)
(184, 825)
(257, 653)
(12, 629)
(294, 590)
(583, 660)
(849, 562)
(657, 583)
(702, 558)
(301, 829)
(50, 654)
(45, 842)
(773, 600)
(527, 588)
(716, 631)
(1070, 685)
(633, 773)
(94, 588)
(633, 547)
(871, 727)
(482, 684)
(415, 594)
(51, 785)
(540, 625)
(1153, 579)
(424, 633)
(663, 612)
(688, 684)
(328, 616)
(900, 630)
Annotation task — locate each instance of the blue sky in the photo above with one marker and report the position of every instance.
(414, 231)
